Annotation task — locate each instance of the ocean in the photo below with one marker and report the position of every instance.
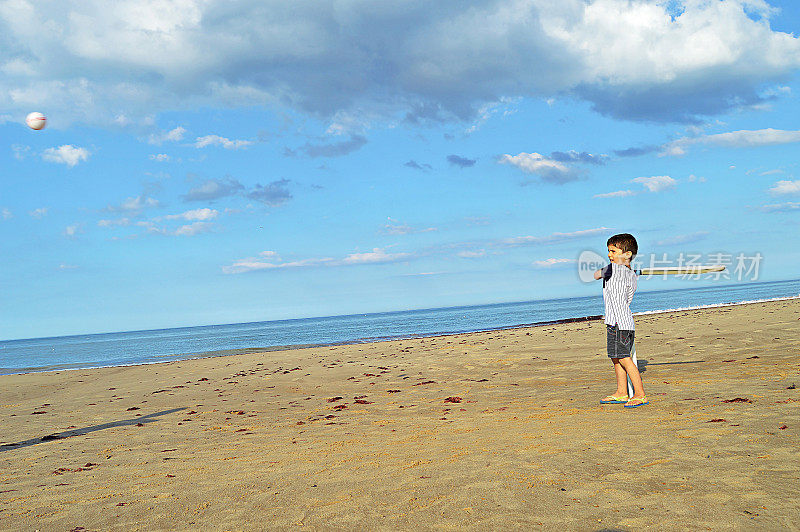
(145, 347)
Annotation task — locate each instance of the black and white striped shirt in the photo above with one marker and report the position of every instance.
(619, 284)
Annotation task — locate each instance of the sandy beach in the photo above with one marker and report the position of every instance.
(486, 431)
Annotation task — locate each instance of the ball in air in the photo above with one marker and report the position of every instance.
(36, 121)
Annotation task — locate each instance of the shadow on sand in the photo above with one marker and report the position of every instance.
(644, 363)
(86, 430)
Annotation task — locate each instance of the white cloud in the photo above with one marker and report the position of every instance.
(216, 140)
(377, 255)
(21, 151)
(785, 187)
(396, 228)
(269, 260)
(734, 139)
(789, 206)
(138, 58)
(193, 229)
(617, 194)
(160, 157)
(472, 254)
(66, 154)
(536, 163)
(554, 238)
(173, 135)
(551, 263)
(71, 231)
(39, 213)
(196, 214)
(135, 204)
(121, 222)
(6, 214)
(656, 183)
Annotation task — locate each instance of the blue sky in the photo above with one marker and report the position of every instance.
(216, 162)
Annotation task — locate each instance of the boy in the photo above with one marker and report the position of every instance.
(619, 284)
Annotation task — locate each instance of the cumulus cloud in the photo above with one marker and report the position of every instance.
(216, 140)
(269, 260)
(273, 194)
(656, 183)
(173, 135)
(461, 162)
(549, 170)
(785, 187)
(134, 204)
(6, 214)
(212, 189)
(160, 157)
(66, 154)
(133, 58)
(39, 213)
(734, 139)
(193, 229)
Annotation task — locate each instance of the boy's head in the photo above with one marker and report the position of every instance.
(622, 248)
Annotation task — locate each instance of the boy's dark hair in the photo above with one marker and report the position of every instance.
(625, 242)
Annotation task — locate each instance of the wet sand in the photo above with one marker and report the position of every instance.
(490, 430)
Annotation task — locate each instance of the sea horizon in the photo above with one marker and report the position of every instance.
(116, 349)
(412, 310)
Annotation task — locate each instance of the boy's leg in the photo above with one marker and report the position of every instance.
(633, 372)
(622, 378)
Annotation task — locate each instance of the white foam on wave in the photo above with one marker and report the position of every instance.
(716, 305)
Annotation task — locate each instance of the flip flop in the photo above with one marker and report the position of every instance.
(614, 400)
(633, 403)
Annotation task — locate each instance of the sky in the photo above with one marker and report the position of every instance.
(210, 161)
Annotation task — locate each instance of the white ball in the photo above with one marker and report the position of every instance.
(36, 121)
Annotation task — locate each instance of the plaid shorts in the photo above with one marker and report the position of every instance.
(619, 342)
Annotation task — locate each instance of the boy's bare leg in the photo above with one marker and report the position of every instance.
(633, 372)
(622, 379)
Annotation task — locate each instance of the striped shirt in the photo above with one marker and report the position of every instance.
(619, 284)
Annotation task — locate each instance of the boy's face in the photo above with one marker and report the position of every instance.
(616, 255)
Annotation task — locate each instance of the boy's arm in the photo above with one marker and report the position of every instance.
(603, 273)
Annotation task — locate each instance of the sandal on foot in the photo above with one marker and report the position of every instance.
(636, 401)
(614, 400)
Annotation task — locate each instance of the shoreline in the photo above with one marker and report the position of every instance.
(177, 357)
(487, 430)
